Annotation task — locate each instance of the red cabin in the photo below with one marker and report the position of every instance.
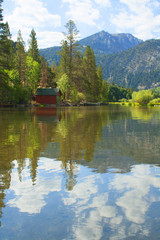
(48, 95)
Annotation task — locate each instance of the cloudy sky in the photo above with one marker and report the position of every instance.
(48, 17)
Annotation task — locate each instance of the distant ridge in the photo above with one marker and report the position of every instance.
(106, 43)
(101, 42)
(138, 67)
(127, 61)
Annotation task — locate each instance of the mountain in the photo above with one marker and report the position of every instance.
(101, 43)
(105, 43)
(138, 67)
(125, 60)
(50, 54)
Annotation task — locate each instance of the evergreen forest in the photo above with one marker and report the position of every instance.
(23, 71)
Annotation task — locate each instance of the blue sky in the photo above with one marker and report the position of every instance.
(48, 17)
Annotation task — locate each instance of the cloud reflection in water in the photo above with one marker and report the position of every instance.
(119, 212)
(110, 205)
(31, 198)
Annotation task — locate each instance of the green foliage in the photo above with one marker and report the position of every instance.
(21, 95)
(5, 50)
(142, 97)
(82, 97)
(83, 74)
(33, 73)
(51, 82)
(20, 72)
(63, 84)
(156, 92)
(77, 75)
(123, 100)
(74, 96)
(71, 47)
(13, 77)
(116, 93)
(65, 59)
(51, 55)
(21, 58)
(14, 95)
(101, 43)
(104, 92)
(6, 94)
(92, 76)
(136, 67)
(33, 47)
(77, 97)
(155, 101)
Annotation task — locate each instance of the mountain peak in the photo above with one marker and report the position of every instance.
(104, 42)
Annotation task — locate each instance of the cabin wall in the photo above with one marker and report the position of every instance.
(46, 99)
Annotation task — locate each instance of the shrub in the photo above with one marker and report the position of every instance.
(142, 97)
(154, 101)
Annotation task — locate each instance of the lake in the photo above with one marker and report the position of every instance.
(83, 173)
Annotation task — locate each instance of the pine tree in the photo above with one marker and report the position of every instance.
(64, 60)
(91, 84)
(8, 47)
(21, 59)
(44, 72)
(5, 48)
(33, 47)
(99, 80)
(73, 45)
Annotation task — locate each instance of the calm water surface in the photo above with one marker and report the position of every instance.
(80, 173)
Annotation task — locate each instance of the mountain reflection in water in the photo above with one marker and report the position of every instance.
(91, 171)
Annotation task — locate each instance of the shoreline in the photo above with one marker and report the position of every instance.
(65, 104)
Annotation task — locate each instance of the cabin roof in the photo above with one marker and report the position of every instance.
(48, 91)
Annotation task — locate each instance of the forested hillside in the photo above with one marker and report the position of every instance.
(125, 60)
(82, 75)
(101, 43)
(50, 54)
(77, 76)
(138, 67)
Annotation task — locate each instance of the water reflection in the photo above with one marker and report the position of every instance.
(139, 183)
(30, 198)
(95, 160)
(121, 204)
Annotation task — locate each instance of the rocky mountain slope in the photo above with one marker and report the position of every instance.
(106, 43)
(101, 43)
(125, 60)
(138, 67)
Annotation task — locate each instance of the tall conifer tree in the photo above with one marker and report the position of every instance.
(71, 34)
(91, 84)
(33, 47)
(64, 61)
(5, 48)
(21, 58)
(44, 72)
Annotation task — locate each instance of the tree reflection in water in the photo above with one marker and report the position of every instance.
(71, 135)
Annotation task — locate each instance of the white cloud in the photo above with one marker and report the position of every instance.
(49, 39)
(104, 3)
(82, 11)
(139, 18)
(30, 14)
